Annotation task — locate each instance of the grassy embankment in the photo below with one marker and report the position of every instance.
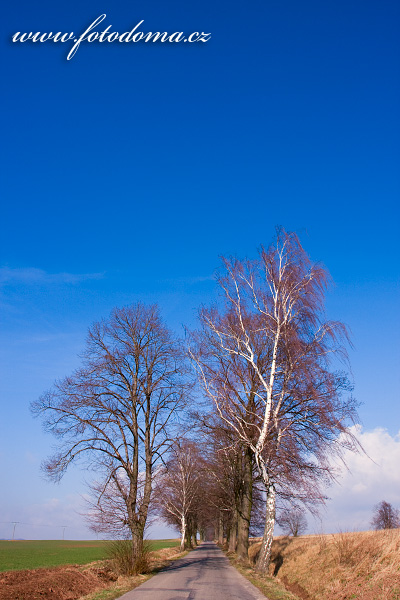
(32, 554)
(344, 566)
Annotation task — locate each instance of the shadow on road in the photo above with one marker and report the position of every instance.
(213, 563)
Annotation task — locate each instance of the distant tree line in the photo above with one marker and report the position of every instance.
(215, 434)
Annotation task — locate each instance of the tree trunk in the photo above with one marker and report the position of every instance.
(220, 530)
(265, 551)
(245, 508)
(233, 532)
(188, 542)
(183, 532)
(137, 542)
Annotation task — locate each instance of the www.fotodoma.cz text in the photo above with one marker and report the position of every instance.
(91, 35)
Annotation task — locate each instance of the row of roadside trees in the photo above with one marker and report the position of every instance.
(210, 433)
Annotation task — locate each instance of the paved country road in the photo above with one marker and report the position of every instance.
(203, 574)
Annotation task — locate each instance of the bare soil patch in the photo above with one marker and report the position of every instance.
(296, 589)
(57, 583)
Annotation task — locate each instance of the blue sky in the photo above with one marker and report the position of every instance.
(128, 171)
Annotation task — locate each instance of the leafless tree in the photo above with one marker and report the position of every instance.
(273, 321)
(223, 477)
(178, 488)
(106, 510)
(229, 466)
(292, 521)
(234, 382)
(116, 413)
(385, 516)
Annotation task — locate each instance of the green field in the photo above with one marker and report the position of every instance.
(32, 554)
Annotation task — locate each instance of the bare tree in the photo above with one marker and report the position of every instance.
(234, 385)
(106, 510)
(178, 489)
(385, 516)
(115, 414)
(229, 465)
(292, 521)
(222, 468)
(273, 321)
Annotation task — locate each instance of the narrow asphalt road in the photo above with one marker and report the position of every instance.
(203, 574)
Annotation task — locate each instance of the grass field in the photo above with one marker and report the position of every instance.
(32, 554)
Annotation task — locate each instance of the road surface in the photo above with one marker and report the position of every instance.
(203, 574)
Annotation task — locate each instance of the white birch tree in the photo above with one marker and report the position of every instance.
(273, 320)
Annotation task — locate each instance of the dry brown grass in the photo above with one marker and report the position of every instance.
(344, 566)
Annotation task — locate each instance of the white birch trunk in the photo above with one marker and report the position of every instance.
(183, 532)
(265, 550)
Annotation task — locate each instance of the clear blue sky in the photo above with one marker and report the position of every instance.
(128, 171)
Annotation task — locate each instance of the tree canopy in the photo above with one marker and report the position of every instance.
(278, 407)
(115, 414)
